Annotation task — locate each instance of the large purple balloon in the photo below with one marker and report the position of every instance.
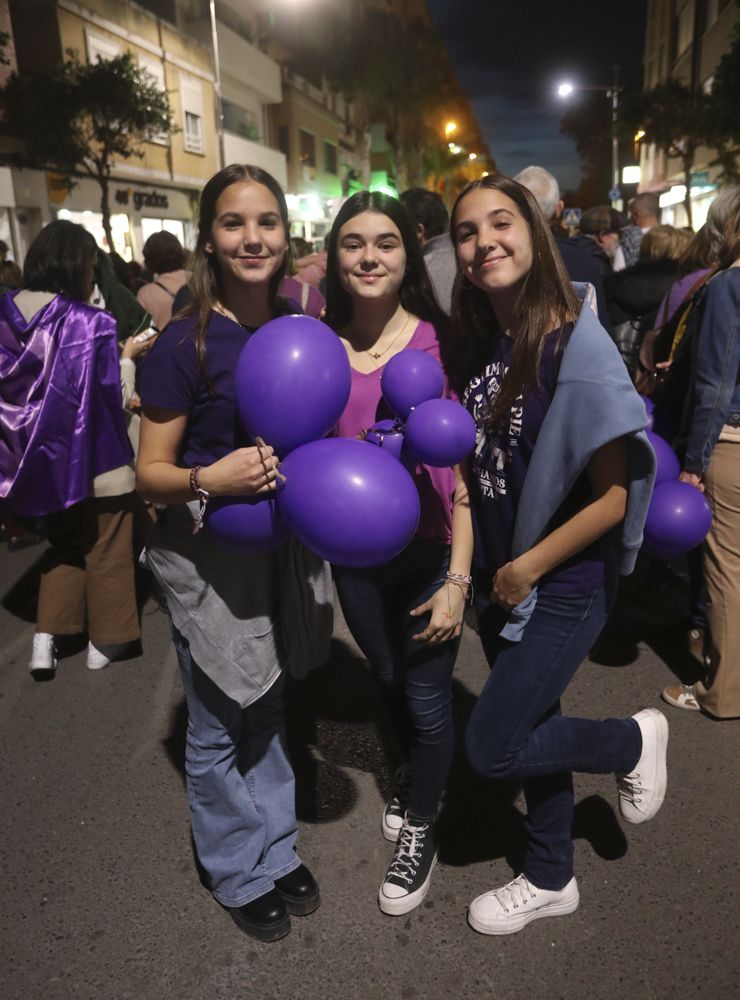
(667, 466)
(410, 378)
(348, 501)
(292, 382)
(247, 524)
(678, 519)
(440, 432)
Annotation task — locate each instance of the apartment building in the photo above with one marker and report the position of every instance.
(158, 191)
(684, 40)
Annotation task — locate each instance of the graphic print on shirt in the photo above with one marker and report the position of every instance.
(492, 454)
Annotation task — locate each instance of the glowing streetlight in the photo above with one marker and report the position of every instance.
(565, 89)
(450, 129)
(472, 156)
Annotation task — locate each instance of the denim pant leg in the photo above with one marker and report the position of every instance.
(415, 679)
(517, 731)
(240, 786)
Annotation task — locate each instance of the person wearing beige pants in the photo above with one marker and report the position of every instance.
(720, 694)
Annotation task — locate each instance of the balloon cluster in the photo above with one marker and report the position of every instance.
(679, 516)
(349, 501)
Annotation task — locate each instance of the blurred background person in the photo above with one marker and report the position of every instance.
(63, 446)
(164, 257)
(431, 220)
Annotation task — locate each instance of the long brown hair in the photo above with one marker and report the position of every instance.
(545, 301)
(205, 280)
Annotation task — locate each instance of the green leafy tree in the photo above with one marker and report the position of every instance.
(676, 119)
(724, 118)
(80, 119)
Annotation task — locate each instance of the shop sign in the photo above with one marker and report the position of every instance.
(141, 199)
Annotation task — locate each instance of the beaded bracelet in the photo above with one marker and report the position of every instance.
(465, 583)
(203, 497)
(459, 578)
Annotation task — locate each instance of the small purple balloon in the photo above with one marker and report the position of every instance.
(649, 408)
(667, 466)
(348, 501)
(387, 434)
(409, 378)
(678, 519)
(246, 524)
(440, 432)
(292, 382)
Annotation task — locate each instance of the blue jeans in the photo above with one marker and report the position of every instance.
(240, 786)
(517, 731)
(415, 679)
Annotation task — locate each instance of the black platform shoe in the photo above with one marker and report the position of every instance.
(265, 918)
(299, 891)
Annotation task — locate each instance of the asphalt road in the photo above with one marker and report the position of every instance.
(101, 898)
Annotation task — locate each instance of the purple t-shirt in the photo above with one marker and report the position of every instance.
(499, 467)
(171, 378)
(366, 407)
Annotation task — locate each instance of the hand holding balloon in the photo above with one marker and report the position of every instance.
(244, 472)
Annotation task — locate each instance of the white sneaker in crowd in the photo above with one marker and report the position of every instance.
(641, 792)
(513, 906)
(43, 654)
(95, 659)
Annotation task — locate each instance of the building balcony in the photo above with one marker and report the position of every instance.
(240, 150)
(241, 63)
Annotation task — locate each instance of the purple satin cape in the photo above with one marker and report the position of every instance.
(61, 416)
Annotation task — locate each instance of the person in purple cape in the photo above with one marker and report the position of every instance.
(225, 607)
(63, 446)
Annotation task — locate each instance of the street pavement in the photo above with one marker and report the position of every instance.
(101, 897)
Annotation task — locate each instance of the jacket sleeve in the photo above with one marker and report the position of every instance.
(717, 363)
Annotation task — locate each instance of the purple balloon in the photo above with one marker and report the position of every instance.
(440, 432)
(667, 466)
(409, 378)
(292, 382)
(247, 524)
(649, 408)
(387, 434)
(678, 519)
(348, 501)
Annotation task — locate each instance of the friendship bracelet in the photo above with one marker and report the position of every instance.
(465, 589)
(459, 578)
(203, 497)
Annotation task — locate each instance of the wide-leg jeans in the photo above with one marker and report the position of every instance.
(517, 731)
(240, 785)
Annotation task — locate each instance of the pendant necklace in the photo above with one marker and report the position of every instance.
(376, 355)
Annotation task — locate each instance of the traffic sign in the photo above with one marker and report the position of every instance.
(615, 194)
(571, 217)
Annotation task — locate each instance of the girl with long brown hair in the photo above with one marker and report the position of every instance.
(223, 605)
(560, 480)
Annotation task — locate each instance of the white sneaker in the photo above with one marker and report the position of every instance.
(513, 906)
(641, 792)
(95, 659)
(43, 654)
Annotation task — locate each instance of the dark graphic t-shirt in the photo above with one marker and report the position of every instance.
(499, 467)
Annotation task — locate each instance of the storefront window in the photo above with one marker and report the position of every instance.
(93, 223)
(174, 226)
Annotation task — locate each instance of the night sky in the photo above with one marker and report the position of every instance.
(510, 55)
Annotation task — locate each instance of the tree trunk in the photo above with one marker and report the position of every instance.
(688, 162)
(102, 179)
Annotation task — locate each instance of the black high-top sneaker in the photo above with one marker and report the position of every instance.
(395, 807)
(410, 873)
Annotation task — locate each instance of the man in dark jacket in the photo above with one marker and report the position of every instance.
(580, 260)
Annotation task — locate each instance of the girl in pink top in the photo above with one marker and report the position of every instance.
(405, 616)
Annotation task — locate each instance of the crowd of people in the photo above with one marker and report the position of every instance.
(544, 337)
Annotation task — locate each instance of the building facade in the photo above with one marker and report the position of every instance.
(684, 40)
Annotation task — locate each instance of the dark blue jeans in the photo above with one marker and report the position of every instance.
(517, 731)
(415, 679)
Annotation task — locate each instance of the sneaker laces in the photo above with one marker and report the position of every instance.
(630, 787)
(514, 894)
(409, 849)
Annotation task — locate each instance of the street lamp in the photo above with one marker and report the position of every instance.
(566, 88)
(450, 129)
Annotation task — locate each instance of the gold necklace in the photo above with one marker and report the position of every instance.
(376, 355)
